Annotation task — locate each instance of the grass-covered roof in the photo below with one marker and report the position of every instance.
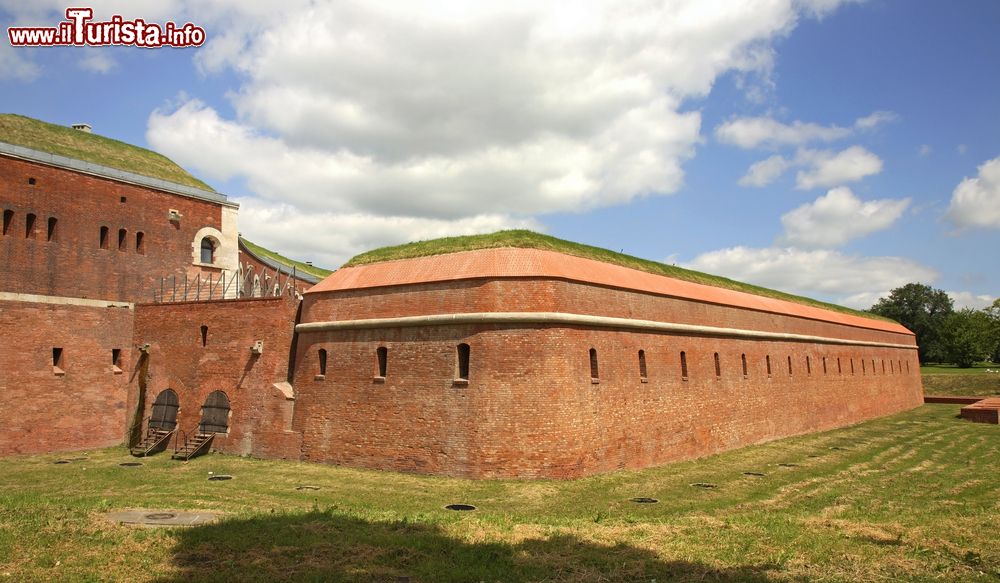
(532, 240)
(274, 256)
(88, 147)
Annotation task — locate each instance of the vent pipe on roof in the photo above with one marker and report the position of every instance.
(83, 127)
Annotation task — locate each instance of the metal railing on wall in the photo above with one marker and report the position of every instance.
(243, 283)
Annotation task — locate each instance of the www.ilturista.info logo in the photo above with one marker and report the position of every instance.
(79, 30)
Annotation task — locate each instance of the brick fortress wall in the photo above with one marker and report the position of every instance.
(260, 398)
(530, 407)
(80, 404)
(72, 262)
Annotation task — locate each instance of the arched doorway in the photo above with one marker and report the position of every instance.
(215, 414)
(164, 415)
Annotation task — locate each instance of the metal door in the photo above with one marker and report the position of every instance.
(215, 414)
(164, 415)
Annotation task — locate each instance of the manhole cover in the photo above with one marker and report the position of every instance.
(307, 487)
(705, 485)
(130, 464)
(758, 474)
(643, 500)
(160, 516)
(789, 465)
(219, 478)
(460, 507)
(60, 462)
(838, 448)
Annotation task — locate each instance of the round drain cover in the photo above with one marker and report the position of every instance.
(758, 474)
(460, 507)
(130, 464)
(160, 516)
(219, 478)
(644, 500)
(58, 462)
(705, 485)
(307, 487)
(789, 465)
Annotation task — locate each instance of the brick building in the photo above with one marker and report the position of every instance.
(128, 301)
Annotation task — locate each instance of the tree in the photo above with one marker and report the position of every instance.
(967, 337)
(993, 313)
(924, 311)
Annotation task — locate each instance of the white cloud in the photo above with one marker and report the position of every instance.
(831, 169)
(753, 132)
(332, 238)
(874, 120)
(975, 202)
(820, 168)
(98, 61)
(845, 279)
(766, 171)
(970, 300)
(838, 217)
(15, 65)
(925, 150)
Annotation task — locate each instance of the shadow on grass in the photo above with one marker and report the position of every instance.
(327, 546)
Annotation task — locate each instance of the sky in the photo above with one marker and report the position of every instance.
(828, 148)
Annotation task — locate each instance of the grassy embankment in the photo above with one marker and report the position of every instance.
(532, 240)
(914, 496)
(65, 141)
(944, 379)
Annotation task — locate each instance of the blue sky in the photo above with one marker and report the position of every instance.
(832, 149)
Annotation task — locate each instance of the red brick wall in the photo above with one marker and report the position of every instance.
(260, 421)
(84, 408)
(74, 264)
(530, 408)
(544, 295)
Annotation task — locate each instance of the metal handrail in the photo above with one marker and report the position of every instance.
(195, 432)
(131, 431)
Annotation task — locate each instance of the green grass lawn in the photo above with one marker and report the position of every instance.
(914, 496)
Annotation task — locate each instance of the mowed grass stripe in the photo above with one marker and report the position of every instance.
(909, 497)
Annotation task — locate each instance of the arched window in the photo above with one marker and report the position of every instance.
(140, 243)
(743, 357)
(809, 366)
(642, 364)
(204, 335)
(839, 370)
(789, 365)
(104, 237)
(767, 359)
(684, 365)
(322, 362)
(51, 233)
(382, 355)
(29, 226)
(718, 366)
(824, 365)
(8, 216)
(463, 361)
(207, 251)
(593, 365)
